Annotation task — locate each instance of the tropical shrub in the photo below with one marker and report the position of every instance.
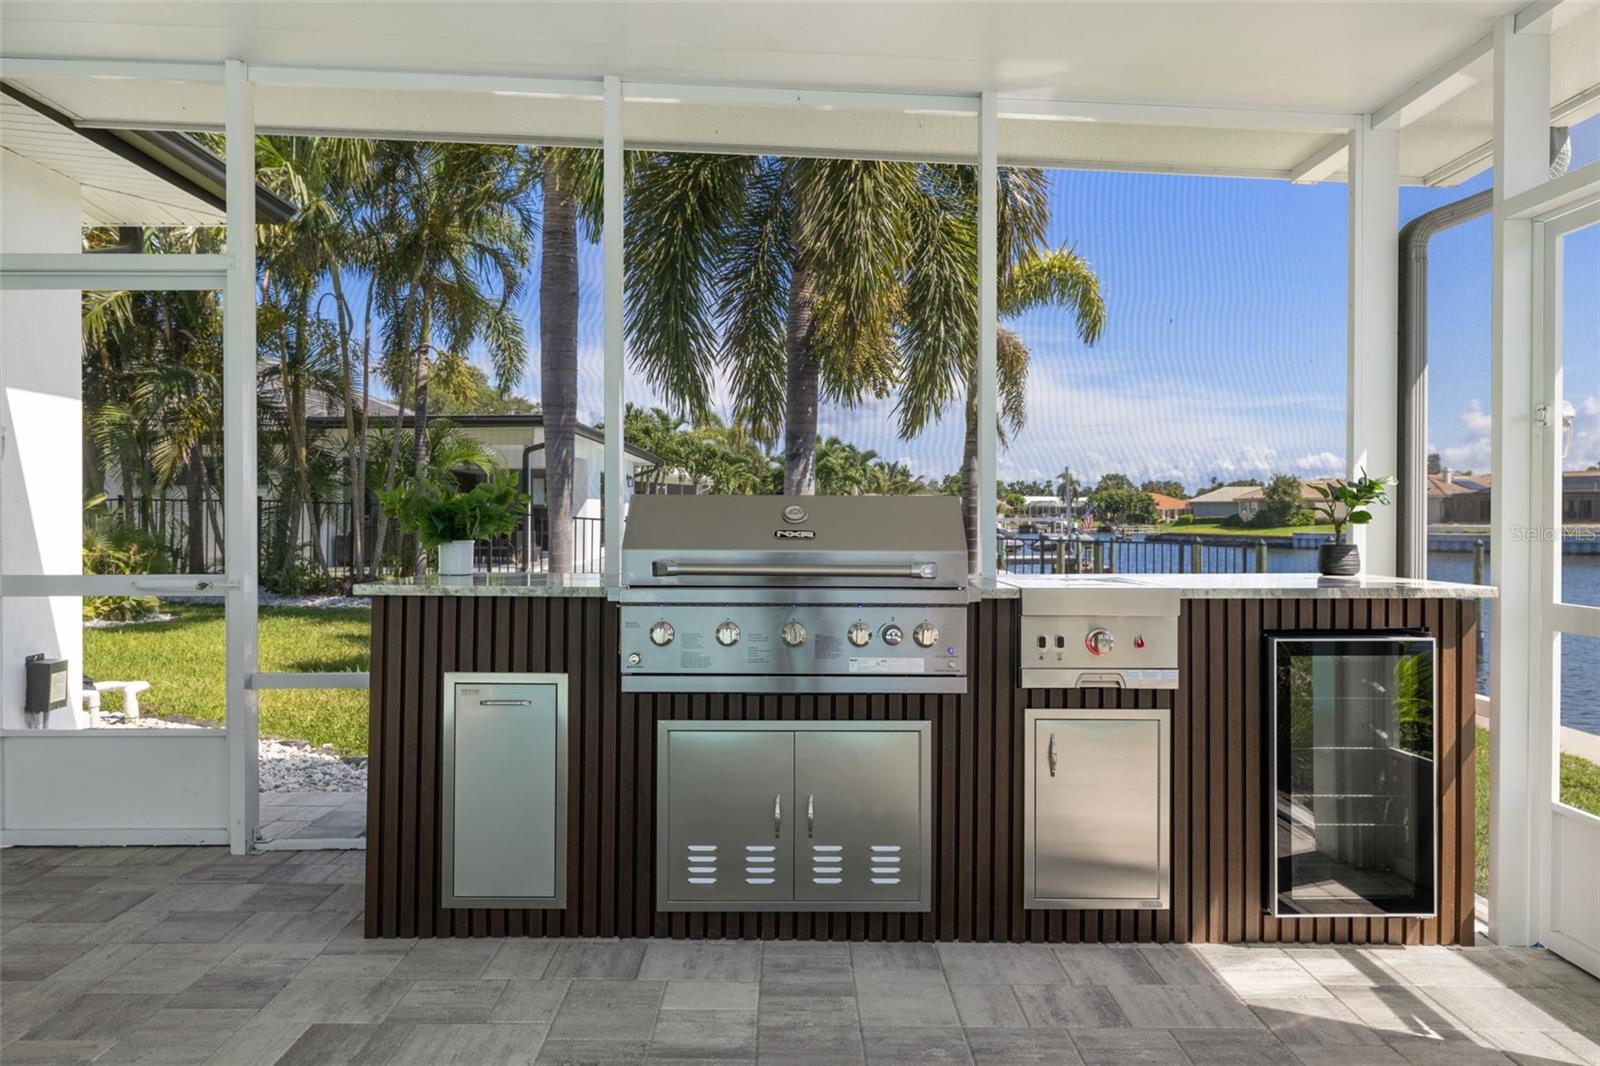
(112, 545)
(489, 509)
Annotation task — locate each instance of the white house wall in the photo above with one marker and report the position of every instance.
(41, 456)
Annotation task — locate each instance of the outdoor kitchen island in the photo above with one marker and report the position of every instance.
(977, 750)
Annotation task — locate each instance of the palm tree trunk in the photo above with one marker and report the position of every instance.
(969, 479)
(419, 442)
(558, 363)
(348, 402)
(196, 485)
(803, 374)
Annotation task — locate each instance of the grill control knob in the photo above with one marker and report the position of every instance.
(892, 634)
(859, 634)
(1099, 642)
(662, 633)
(794, 634)
(926, 635)
(728, 634)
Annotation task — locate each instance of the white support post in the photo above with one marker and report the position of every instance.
(239, 457)
(1372, 441)
(988, 327)
(1519, 652)
(612, 409)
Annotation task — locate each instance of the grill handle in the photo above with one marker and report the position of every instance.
(920, 571)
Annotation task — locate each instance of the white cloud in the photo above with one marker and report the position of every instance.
(1319, 463)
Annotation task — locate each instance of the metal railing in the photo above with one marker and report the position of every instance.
(1131, 555)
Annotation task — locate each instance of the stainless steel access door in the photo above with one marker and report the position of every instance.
(730, 816)
(1098, 801)
(504, 794)
(860, 799)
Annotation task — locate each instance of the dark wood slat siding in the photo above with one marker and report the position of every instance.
(1219, 764)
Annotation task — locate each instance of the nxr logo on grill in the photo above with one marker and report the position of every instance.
(795, 534)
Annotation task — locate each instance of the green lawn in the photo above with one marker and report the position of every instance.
(1580, 788)
(1213, 529)
(183, 661)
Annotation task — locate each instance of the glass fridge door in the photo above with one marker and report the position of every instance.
(1354, 787)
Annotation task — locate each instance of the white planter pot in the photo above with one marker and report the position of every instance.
(455, 558)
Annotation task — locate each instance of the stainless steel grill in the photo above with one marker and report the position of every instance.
(794, 594)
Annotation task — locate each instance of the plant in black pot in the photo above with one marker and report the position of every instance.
(1345, 504)
(454, 521)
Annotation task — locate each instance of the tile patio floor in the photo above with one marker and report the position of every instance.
(195, 956)
(313, 815)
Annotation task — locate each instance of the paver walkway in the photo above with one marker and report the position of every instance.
(191, 955)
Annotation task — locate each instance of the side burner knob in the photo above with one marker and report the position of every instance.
(926, 635)
(662, 633)
(1099, 642)
(728, 634)
(794, 634)
(859, 634)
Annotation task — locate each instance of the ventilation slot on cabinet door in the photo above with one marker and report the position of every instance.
(702, 864)
(827, 864)
(760, 864)
(885, 864)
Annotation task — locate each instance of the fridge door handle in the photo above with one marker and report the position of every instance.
(811, 817)
(777, 816)
(1051, 754)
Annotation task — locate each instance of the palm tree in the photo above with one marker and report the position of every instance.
(940, 337)
(458, 238)
(784, 272)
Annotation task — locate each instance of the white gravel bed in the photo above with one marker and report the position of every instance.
(286, 765)
(117, 623)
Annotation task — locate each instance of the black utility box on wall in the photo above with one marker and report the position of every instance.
(47, 684)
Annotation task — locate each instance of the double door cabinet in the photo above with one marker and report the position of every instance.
(795, 816)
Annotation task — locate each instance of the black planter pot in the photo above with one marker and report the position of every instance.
(1339, 560)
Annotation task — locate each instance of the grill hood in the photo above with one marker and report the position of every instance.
(795, 541)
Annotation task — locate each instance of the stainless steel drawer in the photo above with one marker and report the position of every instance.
(1098, 793)
(504, 790)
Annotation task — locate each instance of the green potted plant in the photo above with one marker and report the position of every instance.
(1343, 504)
(454, 521)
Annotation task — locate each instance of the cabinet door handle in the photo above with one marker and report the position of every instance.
(811, 817)
(1051, 755)
(505, 703)
(777, 816)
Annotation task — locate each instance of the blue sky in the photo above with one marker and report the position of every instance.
(1224, 349)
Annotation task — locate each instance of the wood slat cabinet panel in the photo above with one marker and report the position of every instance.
(978, 741)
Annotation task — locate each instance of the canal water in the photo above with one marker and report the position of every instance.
(1580, 656)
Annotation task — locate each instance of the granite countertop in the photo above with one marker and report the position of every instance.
(1255, 586)
(1006, 587)
(487, 585)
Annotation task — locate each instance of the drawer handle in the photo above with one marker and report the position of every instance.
(505, 703)
(777, 816)
(811, 817)
(1051, 755)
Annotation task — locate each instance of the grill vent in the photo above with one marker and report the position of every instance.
(760, 864)
(702, 865)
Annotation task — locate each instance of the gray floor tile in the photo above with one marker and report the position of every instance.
(711, 995)
(1346, 1055)
(430, 1001)
(444, 960)
(93, 907)
(1534, 1047)
(703, 961)
(1445, 1049)
(521, 960)
(866, 958)
(988, 1007)
(165, 968)
(35, 962)
(371, 964)
(49, 932)
(1128, 1047)
(1388, 1009)
(1499, 1008)
(1069, 1006)
(30, 1052)
(1182, 1007)
(98, 1016)
(1313, 1021)
(1000, 964)
(831, 983)
(457, 1044)
(230, 991)
(560, 1051)
(609, 960)
(900, 1046)
(799, 958)
(175, 1036)
(809, 1045)
(1104, 964)
(610, 1010)
(259, 1042)
(329, 1044)
(1022, 1047)
(287, 897)
(704, 1036)
(787, 1011)
(98, 963)
(193, 927)
(1232, 1047)
(901, 998)
(1178, 964)
(350, 1000)
(533, 1001)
